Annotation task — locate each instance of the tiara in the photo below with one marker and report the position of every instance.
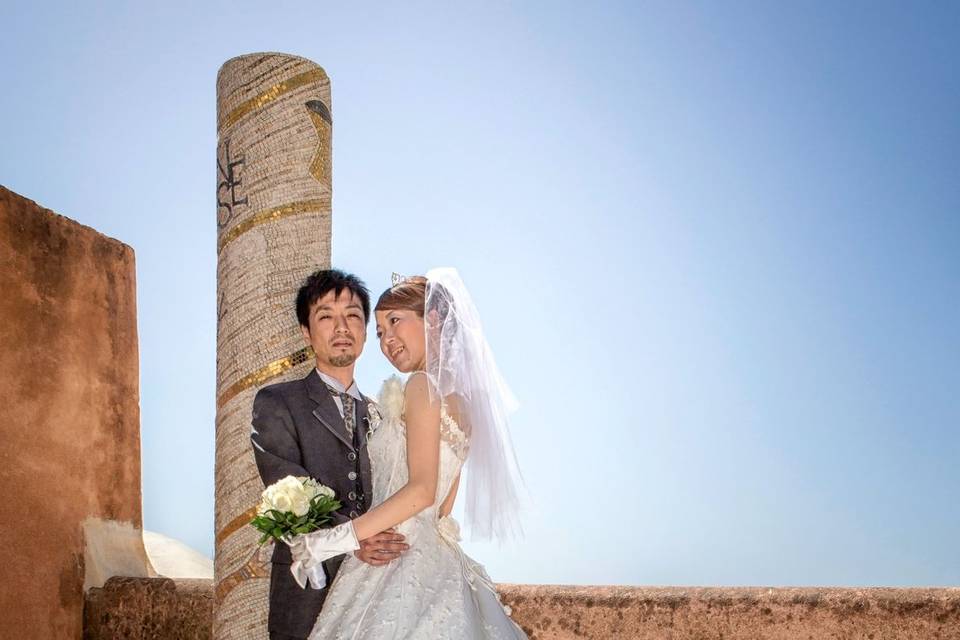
(397, 279)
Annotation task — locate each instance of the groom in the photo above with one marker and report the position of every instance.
(317, 427)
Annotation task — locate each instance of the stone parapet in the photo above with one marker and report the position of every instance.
(160, 608)
(155, 608)
(680, 613)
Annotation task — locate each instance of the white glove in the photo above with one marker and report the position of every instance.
(309, 550)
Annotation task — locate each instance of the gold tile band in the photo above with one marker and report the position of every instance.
(320, 165)
(252, 569)
(236, 524)
(260, 376)
(271, 214)
(271, 94)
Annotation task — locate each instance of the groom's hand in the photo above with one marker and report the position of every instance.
(381, 548)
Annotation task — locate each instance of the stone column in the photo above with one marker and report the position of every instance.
(273, 229)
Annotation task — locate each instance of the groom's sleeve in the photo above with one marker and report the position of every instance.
(274, 438)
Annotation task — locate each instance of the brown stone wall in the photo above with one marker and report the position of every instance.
(69, 409)
(156, 609)
(681, 613)
(159, 609)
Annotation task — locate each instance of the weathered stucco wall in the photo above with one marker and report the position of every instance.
(69, 412)
(138, 609)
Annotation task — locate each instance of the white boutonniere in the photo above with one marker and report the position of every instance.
(373, 418)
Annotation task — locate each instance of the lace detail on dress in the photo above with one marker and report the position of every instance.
(452, 434)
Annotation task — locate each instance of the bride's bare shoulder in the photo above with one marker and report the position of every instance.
(419, 384)
(419, 393)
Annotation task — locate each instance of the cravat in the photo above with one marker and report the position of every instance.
(349, 413)
(349, 409)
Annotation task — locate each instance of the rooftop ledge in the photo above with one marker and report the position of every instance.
(159, 608)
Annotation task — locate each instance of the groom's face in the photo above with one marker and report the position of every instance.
(337, 329)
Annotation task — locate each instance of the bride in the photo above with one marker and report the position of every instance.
(451, 411)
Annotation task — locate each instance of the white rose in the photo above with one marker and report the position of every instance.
(300, 504)
(314, 488)
(266, 501)
(324, 490)
(290, 486)
(281, 501)
(284, 494)
(292, 494)
(309, 486)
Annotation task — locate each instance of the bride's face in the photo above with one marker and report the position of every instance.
(401, 339)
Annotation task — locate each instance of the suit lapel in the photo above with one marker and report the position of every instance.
(326, 410)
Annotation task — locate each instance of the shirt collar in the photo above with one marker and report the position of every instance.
(336, 385)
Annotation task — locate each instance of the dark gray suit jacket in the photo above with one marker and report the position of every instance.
(298, 430)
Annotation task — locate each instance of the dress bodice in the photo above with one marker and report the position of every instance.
(387, 448)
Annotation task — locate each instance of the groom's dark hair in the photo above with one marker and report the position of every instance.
(321, 282)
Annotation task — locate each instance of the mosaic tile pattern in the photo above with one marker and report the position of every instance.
(273, 221)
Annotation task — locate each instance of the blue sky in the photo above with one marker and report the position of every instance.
(716, 247)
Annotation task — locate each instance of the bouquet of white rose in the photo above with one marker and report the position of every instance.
(293, 505)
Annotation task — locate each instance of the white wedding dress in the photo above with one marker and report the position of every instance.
(434, 590)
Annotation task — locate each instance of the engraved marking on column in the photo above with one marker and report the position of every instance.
(227, 186)
(271, 214)
(323, 123)
(260, 376)
(271, 94)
